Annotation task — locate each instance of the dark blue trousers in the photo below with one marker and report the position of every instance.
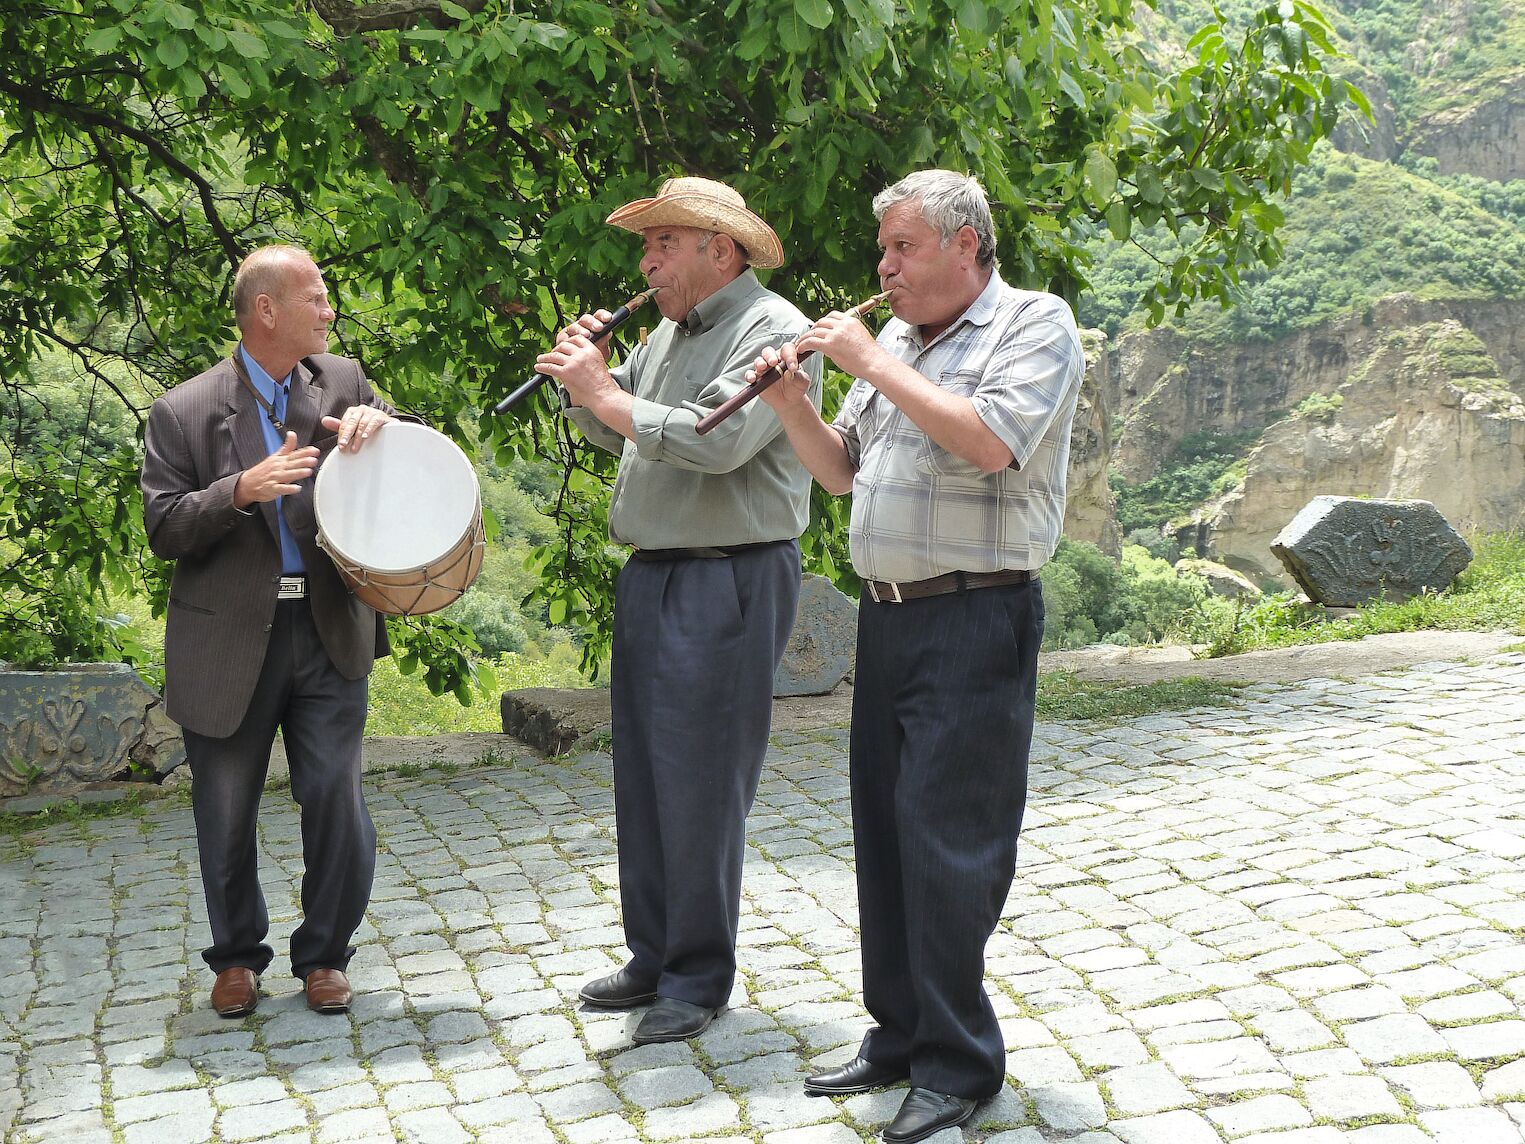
(321, 716)
(696, 643)
(942, 721)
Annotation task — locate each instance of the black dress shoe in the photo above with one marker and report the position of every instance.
(672, 1020)
(923, 1113)
(620, 990)
(857, 1075)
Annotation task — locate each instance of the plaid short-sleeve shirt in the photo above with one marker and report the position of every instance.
(918, 510)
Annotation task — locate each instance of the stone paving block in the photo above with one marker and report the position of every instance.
(431, 1126)
(1350, 1098)
(1141, 1090)
(1180, 1127)
(190, 1102)
(1069, 1107)
(1507, 1082)
(1486, 1041)
(1388, 1039)
(1262, 1114)
(260, 1121)
(783, 1106)
(1434, 1084)
(1470, 1126)
(815, 1134)
(661, 1087)
(708, 1114)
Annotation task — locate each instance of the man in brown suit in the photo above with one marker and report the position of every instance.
(261, 632)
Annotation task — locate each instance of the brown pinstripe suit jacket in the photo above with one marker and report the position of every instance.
(201, 435)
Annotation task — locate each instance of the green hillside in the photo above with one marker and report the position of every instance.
(1356, 231)
(1430, 56)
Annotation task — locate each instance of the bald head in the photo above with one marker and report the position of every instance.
(268, 270)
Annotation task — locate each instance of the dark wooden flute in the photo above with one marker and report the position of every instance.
(731, 405)
(615, 319)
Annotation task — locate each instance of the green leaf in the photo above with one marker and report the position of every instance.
(103, 39)
(816, 13)
(793, 32)
(1072, 89)
(1100, 177)
(248, 45)
(172, 52)
(1119, 221)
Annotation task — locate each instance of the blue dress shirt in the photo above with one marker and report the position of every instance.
(276, 393)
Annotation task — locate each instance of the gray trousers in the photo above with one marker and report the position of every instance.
(321, 716)
(696, 643)
(942, 720)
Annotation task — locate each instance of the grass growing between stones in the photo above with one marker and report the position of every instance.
(132, 804)
(1063, 695)
(1488, 596)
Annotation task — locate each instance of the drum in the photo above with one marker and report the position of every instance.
(402, 519)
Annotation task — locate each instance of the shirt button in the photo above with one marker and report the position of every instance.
(269, 627)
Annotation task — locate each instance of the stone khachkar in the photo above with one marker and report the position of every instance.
(65, 728)
(823, 643)
(1345, 551)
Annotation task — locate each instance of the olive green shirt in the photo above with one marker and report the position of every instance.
(739, 484)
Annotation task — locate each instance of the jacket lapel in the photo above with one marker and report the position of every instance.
(304, 402)
(244, 418)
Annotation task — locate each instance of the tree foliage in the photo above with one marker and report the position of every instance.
(450, 164)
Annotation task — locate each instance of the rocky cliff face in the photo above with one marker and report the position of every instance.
(1425, 414)
(1167, 389)
(1485, 138)
(1090, 514)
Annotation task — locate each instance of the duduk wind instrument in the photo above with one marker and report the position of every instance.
(732, 404)
(615, 319)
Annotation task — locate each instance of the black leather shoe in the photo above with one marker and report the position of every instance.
(857, 1075)
(672, 1020)
(923, 1113)
(620, 990)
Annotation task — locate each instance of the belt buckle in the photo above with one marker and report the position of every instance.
(873, 590)
(292, 588)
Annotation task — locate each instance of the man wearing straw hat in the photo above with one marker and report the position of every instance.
(705, 604)
(954, 442)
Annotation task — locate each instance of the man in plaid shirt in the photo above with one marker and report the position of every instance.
(954, 441)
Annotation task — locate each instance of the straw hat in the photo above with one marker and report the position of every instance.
(708, 205)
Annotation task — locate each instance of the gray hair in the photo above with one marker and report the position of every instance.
(262, 272)
(949, 202)
(741, 250)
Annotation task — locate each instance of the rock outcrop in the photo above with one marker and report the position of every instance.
(1486, 137)
(1090, 513)
(1167, 388)
(1426, 415)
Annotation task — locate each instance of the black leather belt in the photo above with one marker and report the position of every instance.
(655, 554)
(891, 592)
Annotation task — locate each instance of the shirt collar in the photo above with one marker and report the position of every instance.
(708, 313)
(979, 313)
(263, 382)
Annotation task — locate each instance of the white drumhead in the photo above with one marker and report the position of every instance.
(400, 503)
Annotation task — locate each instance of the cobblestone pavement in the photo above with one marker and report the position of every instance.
(1292, 921)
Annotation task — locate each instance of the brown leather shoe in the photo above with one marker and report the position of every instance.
(328, 991)
(235, 993)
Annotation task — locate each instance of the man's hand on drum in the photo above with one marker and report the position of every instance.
(788, 389)
(579, 363)
(358, 425)
(278, 475)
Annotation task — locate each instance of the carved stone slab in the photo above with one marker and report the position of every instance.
(1345, 551)
(78, 724)
(823, 643)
